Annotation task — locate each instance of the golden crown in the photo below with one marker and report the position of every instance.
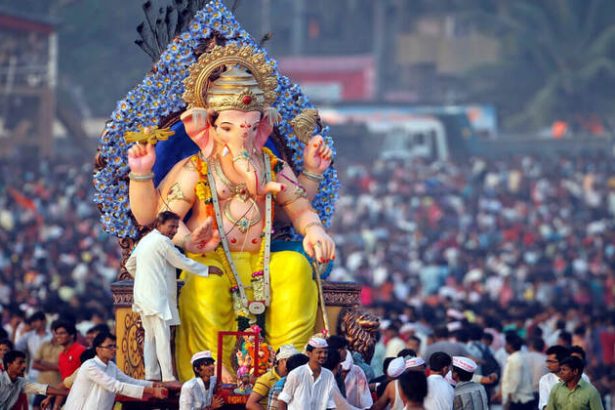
(235, 89)
(247, 82)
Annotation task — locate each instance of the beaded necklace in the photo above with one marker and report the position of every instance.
(206, 192)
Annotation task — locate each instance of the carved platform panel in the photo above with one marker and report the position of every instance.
(337, 296)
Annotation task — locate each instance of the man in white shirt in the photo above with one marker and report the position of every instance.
(99, 380)
(394, 344)
(357, 388)
(32, 340)
(536, 361)
(310, 386)
(152, 264)
(517, 379)
(440, 394)
(198, 393)
(12, 382)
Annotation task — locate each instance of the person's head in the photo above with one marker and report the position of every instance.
(395, 368)
(415, 364)
(475, 332)
(463, 369)
(391, 331)
(64, 332)
(578, 351)
(460, 375)
(203, 364)
(414, 343)
(94, 331)
(340, 343)
(440, 363)
(281, 357)
(441, 333)
(487, 339)
(536, 344)
(38, 321)
(462, 335)
(5, 346)
(87, 355)
(564, 338)
(571, 368)
(105, 347)
(167, 223)
(334, 360)
(413, 386)
(14, 363)
(295, 361)
(406, 353)
(513, 343)
(555, 355)
(385, 364)
(317, 350)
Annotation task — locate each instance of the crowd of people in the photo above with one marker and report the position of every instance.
(486, 255)
(524, 244)
(54, 255)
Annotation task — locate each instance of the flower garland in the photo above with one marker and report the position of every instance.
(204, 193)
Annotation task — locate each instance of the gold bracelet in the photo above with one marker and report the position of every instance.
(312, 176)
(310, 225)
(141, 177)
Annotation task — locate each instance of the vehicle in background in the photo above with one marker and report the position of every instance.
(368, 132)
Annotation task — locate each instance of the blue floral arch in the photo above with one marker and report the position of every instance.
(160, 95)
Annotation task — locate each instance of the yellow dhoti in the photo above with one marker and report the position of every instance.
(206, 306)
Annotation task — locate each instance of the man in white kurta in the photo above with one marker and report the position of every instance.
(440, 394)
(99, 380)
(310, 386)
(152, 264)
(357, 387)
(198, 393)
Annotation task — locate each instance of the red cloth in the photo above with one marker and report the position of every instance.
(607, 341)
(21, 403)
(69, 360)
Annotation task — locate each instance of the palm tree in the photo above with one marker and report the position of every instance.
(557, 60)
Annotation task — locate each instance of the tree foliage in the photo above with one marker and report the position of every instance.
(557, 59)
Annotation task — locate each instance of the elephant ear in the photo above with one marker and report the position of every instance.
(270, 118)
(200, 136)
(204, 141)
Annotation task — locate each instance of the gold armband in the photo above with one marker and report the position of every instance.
(299, 193)
(141, 177)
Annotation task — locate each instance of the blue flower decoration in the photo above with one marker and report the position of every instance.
(160, 94)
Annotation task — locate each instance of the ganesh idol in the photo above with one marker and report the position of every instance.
(226, 196)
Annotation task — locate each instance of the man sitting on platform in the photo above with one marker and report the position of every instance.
(198, 393)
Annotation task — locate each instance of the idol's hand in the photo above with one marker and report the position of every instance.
(203, 239)
(141, 158)
(317, 155)
(318, 245)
